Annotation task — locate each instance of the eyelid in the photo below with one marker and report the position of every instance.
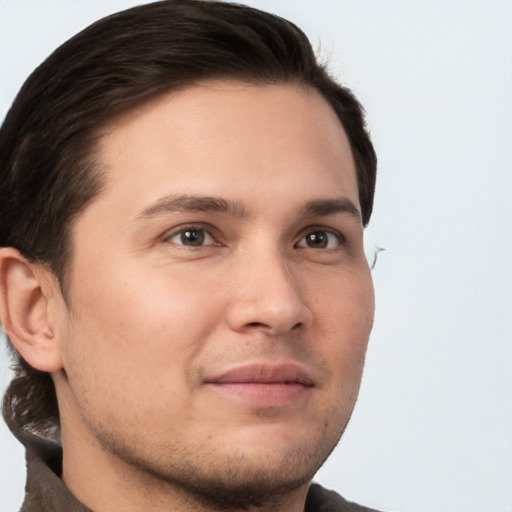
(171, 233)
(311, 229)
(210, 230)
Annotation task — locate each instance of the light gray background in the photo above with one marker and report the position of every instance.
(433, 427)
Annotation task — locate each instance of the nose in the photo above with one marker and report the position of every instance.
(267, 297)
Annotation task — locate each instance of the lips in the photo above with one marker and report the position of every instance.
(287, 373)
(264, 385)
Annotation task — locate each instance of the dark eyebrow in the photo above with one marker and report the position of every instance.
(185, 203)
(322, 207)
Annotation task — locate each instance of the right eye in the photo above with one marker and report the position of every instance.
(191, 237)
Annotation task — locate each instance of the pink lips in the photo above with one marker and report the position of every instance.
(264, 385)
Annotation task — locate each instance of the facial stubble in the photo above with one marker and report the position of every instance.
(235, 481)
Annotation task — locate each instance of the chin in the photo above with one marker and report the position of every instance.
(265, 467)
(244, 481)
(226, 475)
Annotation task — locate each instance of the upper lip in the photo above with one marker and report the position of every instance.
(264, 373)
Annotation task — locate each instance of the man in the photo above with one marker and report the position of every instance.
(183, 278)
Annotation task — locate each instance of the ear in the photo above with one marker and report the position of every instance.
(26, 290)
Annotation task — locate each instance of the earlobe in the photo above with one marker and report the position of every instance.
(24, 299)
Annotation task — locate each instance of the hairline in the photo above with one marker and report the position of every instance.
(96, 136)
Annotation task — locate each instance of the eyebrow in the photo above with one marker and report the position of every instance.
(186, 203)
(322, 207)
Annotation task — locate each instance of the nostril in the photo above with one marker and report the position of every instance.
(256, 324)
(259, 325)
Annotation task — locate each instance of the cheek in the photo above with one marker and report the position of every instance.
(138, 327)
(345, 318)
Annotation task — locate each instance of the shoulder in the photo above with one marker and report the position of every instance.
(44, 490)
(324, 500)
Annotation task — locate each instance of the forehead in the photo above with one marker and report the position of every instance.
(229, 135)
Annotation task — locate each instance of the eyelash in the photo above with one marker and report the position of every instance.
(315, 230)
(201, 229)
(205, 233)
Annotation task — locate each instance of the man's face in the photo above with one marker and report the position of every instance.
(220, 299)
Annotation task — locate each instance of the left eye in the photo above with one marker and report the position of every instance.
(192, 237)
(320, 239)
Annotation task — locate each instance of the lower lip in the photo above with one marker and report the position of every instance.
(264, 394)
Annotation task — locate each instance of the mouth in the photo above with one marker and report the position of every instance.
(264, 385)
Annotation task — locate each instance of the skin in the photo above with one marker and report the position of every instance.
(153, 321)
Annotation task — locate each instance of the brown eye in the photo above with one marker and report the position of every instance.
(320, 239)
(192, 237)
